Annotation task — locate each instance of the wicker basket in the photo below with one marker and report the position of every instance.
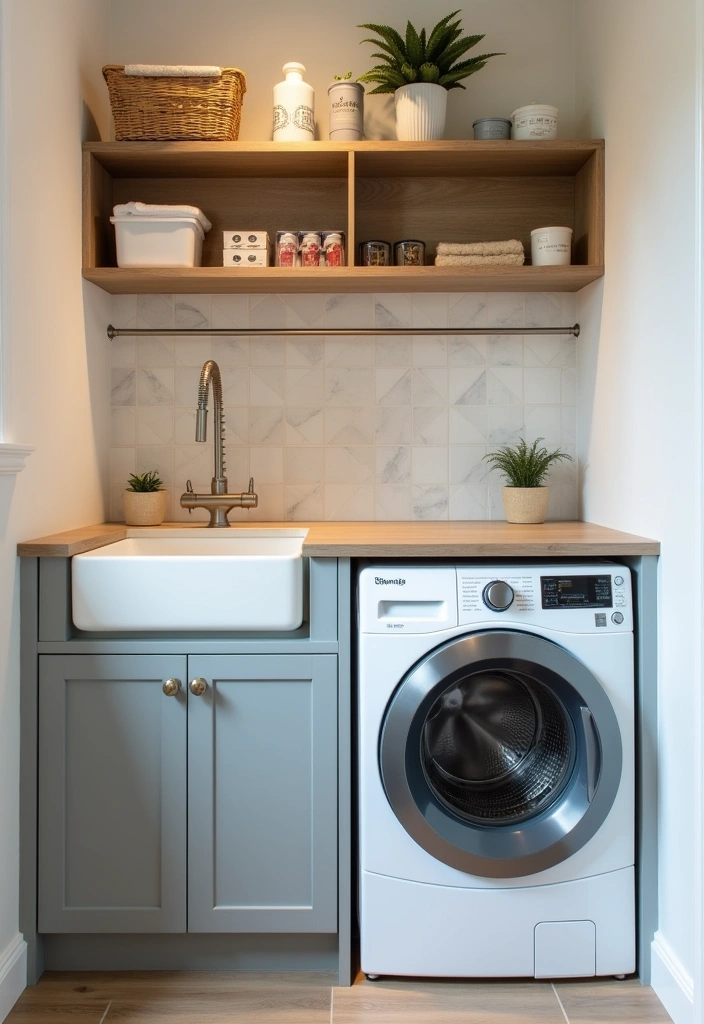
(207, 109)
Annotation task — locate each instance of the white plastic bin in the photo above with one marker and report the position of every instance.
(158, 241)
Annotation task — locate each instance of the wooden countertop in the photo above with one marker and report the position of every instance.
(393, 540)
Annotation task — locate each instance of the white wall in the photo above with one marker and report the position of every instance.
(639, 407)
(55, 354)
(260, 37)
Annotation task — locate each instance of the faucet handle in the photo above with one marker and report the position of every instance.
(251, 485)
(189, 490)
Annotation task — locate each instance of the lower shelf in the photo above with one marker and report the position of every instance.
(194, 280)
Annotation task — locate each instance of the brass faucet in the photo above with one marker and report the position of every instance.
(219, 503)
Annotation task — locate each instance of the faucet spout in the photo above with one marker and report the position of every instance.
(219, 503)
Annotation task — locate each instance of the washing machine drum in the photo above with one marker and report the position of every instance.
(500, 753)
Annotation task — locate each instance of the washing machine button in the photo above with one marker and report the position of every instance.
(498, 595)
(617, 617)
(618, 581)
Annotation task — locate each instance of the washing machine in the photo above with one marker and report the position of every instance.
(496, 770)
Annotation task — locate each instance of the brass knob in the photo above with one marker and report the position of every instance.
(198, 686)
(171, 687)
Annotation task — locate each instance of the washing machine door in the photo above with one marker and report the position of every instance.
(500, 754)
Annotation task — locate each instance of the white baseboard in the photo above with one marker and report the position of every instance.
(671, 983)
(13, 974)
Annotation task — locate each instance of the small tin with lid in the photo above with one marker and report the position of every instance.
(492, 128)
(409, 253)
(375, 253)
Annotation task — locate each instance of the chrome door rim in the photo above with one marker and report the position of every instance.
(499, 851)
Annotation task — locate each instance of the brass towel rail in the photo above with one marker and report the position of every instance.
(351, 332)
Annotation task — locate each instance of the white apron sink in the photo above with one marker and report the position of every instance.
(195, 579)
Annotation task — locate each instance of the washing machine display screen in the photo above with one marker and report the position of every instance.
(576, 591)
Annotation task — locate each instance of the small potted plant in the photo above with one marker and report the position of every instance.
(144, 500)
(525, 468)
(420, 69)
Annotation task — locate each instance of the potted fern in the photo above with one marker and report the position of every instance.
(144, 500)
(525, 468)
(419, 70)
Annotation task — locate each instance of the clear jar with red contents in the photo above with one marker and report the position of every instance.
(311, 248)
(334, 248)
(287, 249)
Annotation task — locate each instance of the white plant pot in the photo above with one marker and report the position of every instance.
(144, 508)
(526, 504)
(420, 111)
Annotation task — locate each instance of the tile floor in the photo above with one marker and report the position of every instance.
(312, 998)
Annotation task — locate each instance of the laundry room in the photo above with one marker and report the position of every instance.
(487, 769)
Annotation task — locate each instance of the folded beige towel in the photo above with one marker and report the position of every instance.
(173, 70)
(512, 245)
(506, 259)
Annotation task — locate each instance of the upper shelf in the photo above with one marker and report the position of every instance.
(461, 191)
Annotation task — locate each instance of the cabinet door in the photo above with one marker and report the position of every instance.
(262, 790)
(112, 794)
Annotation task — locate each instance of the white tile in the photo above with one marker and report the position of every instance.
(467, 386)
(230, 311)
(266, 465)
(543, 421)
(304, 501)
(304, 310)
(228, 353)
(545, 309)
(267, 351)
(235, 386)
(123, 387)
(184, 425)
(431, 386)
(155, 311)
(349, 465)
(186, 380)
(504, 385)
(393, 386)
(267, 311)
(504, 350)
(468, 310)
(122, 426)
(266, 424)
(550, 350)
(303, 425)
(304, 386)
(304, 351)
(468, 424)
(349, 351)
(349, 311)
(192, 311)
(303, 464)
(237, 424)
(429, 465)
(123, 352)
(155, 352)
(569, 387)
(504, 424)
(429, 309)
(155, 425)
(267, 386)
(569, 424)
(270, 506)
(468, 465)
(392, 502)
(349, 503)
(157, 458)
(467, 351)
(468, 503)
(430, 502)
(430, 425)
(495, 503)
(542, 385)
(393, 465)
(429, 351)
(393, 351)
(193, 351)
(349, 425)
(349, 386)
(155, 387)
(123, 311)
(393, 424)
(505, 309)
(393, 310)
(193, 462)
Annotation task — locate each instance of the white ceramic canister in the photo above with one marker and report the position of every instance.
(535, 121)
(346, 111)
(294, 107)
(551, 246)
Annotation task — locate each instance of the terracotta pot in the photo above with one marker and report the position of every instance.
(420, 111)
(526, 504)
(144, 508)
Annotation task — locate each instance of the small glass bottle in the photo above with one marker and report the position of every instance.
(310, 249)
(334, 249)
(286, 249)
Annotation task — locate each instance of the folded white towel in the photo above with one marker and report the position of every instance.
(511, 245)
(160, 210)
(173, 70)
(506, 259)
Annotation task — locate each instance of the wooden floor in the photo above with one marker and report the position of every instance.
(221, 998)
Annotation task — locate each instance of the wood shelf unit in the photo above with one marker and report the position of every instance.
(437, 191)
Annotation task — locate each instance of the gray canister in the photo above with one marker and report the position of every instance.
(346, 101)
(492, 128)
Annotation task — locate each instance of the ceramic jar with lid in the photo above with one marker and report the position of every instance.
(294, 106)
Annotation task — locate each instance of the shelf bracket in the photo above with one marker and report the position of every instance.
(344, 332)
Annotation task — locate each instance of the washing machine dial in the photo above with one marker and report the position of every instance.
(498, 595)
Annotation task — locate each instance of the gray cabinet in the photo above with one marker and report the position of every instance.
(112, 794)
(211, 812)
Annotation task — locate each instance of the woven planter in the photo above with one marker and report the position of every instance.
(174, 109)
(526, 504)
(144, 508)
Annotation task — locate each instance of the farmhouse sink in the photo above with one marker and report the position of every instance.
(191, 579)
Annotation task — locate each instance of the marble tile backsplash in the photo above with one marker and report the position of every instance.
(353, 428)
